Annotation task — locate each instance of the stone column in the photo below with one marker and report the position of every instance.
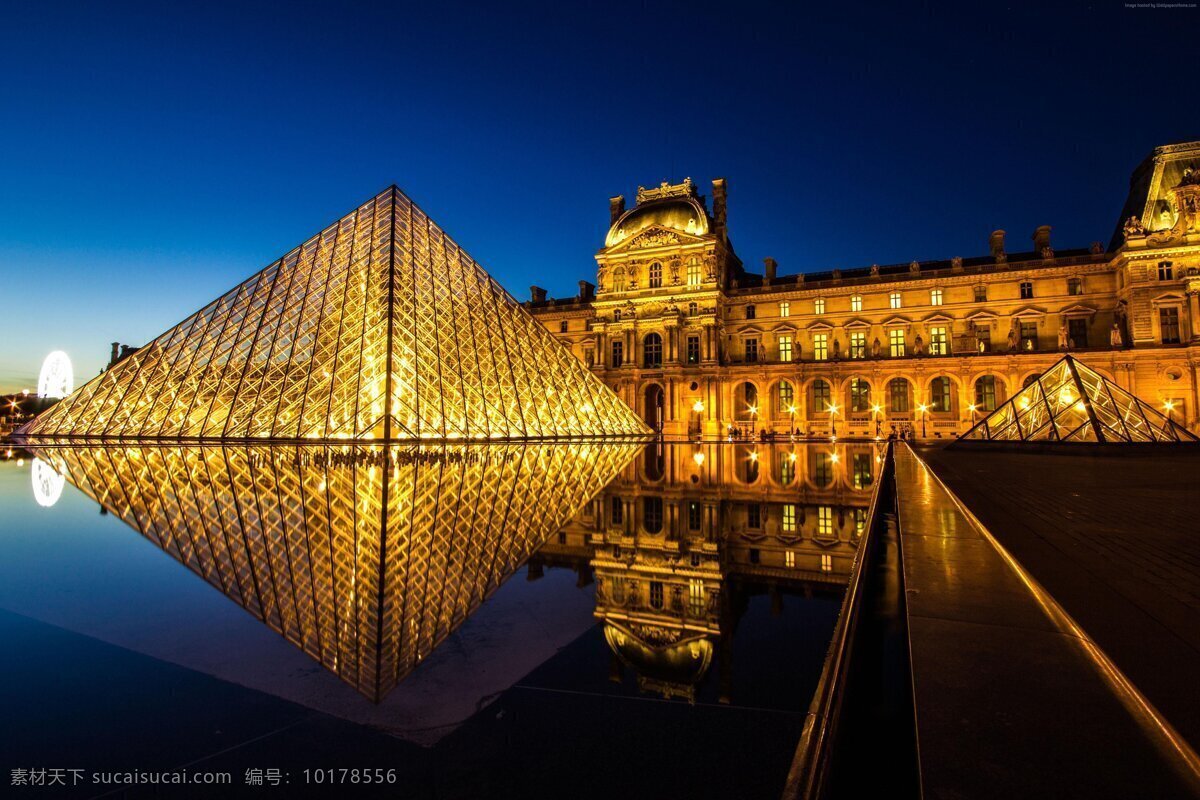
(1193, 296)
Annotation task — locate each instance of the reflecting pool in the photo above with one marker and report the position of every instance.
(633, 619)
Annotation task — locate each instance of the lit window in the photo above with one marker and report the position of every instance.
(618, 279)
(1029, 336)
(785, 348)
(820, 346)
(696, 596)
(860, 395)
(819, 305)
(785, 309)
(856, 303)
(939, 394)
(861, 475)
(694, 276)
(894, 299)
(938, 342)
(787, 468)
(789, 518)
(823, 469)
(789, 559)
(1165, 272)
(654, 279)
(1026, 290)
(860, 521)
(896, 342)
(825, 521)
(820, 392)
(693, 309)
(693, 349)
(826, 562)
(983, 338)
(1074, 286)
(898, 395)
(935, 297)
(985, 393)
(858, 344)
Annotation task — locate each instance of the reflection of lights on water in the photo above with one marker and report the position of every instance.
(47, 484)
(57, 378)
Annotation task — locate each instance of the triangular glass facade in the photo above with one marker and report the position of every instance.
(366, 557)
(1071, 402)
(378, 327)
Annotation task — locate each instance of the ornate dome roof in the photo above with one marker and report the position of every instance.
(684, 214)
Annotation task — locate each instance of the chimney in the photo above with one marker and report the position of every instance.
(1041, 238)
(112, 359)
(616, 207)
(126, 351)
(537, 294)
(997, 243)
(587, 291)
(769, 267)
(719, 203)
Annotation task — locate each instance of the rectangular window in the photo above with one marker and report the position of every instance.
(826, 562)
(693, 349)
(1165, 272)
(563, 326)
(754, 516)
(894, 299)
(1077, 332)
(819, 305)
(896, 342)
(981, 294)
(785, 309)
(858, 344)
(656, 594)
(618, 352)
(749, 312)
(696, 596)
(693, 273)
(861, 475)
(898, 395)
(752, 350)
(935, 297)
(1026, 290)
(755, 556)
(693, 309)
(789, 518)
(820, 346)
(860, 521)
(789, 559)
(820, 393)
(1168, 324)
(785, 348)
(695, 514)
(1029, 336)
(856, 303)
(860, 395)
(1075, 286)
(938, 341)
(825, 522)
(617, 511)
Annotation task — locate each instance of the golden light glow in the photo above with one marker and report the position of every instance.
(698, 406)
(753, 455)
(834, 457)
(416, 342)
(752, 410)
(876, 408)
(698, 457)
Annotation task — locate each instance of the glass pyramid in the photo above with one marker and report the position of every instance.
(378, 327)
(366, 557)
(1071, 402)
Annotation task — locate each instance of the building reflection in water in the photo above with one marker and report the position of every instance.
(686, 534)
(367, 558)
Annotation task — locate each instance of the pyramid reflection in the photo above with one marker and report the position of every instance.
(366, 558)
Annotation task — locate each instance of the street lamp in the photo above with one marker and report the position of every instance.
(1169, 407)
(833, 423)
(753, 420)
(924, 414)
(876, 410)
(792, 424)
(972, 406)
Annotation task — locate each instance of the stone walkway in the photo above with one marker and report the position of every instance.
(1010, 701)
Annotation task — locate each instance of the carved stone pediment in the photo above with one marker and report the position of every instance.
(655, 236)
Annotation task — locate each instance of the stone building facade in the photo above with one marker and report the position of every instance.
(699, 345)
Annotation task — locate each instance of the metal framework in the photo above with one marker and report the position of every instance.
(1071, 402)
(378, 327)
(364, 557)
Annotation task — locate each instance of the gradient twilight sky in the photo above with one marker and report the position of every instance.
(155, 155)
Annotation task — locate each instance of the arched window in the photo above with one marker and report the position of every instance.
(820, 396)
(787, 397)
(898, 395)
(618, 279)
(694, 275)
(654, 276)
(860, 395)
(985, 393)
(940, 399)
(652, 350)
(1029, 381)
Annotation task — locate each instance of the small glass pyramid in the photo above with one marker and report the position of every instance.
(1071, 402)
(379, 327)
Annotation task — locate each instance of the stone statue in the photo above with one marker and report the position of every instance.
(1114, 336)
(956, 264)
(874, 270)
(1097, 248)
(875, 348)
(837, 349)
(914, 268)
(919, 346)
(1013, 340)
(1047, 253)
(1133, 227)
(1064, 338)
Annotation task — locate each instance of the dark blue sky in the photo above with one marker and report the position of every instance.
(154, 156)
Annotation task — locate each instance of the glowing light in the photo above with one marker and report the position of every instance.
(752, 409)
(1024, 402)
(698, 406)
(876, 408)
(791, 409)
(1168, 406)
(791, 456)
(47, 484)
(833, 409)
(698, 458)
(972, 406)
(754, 455)
(834, 457)
(56, 379)
(922, 407)
(1066, 396)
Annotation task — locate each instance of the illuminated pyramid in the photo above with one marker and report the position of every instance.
(378, 327)
(1071, 402)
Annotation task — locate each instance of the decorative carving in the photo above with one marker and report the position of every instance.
(1114, 336)
(1097, 248)
(919, 346)
(1133, 227)
(654, 238)
(875, 347)
(666, 189)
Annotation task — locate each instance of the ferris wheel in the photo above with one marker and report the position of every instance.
(57, 379)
